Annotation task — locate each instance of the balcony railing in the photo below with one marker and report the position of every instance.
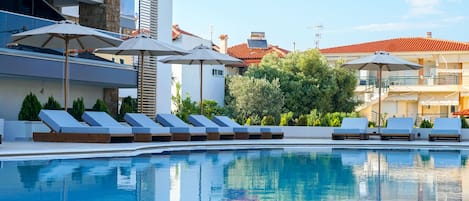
(411, 80)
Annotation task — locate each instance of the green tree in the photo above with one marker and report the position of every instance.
(30, 108)
(128, 105)
(184, 106)
(308, 82)
(100, 106)
(255, 97)
(78, 108)
(52, 104)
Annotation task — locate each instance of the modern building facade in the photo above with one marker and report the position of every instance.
(188, 75)
(438, 89)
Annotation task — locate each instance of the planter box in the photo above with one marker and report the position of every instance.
(23, 130)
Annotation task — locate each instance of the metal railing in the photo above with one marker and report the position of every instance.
(371, 81)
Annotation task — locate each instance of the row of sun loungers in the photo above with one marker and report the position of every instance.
(100, 127)
(398, 128)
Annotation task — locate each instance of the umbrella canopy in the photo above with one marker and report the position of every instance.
(143, 46)
(202, 55)
(381, 61)
(65, 35)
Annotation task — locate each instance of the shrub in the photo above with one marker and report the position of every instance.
(302, 120)
(78, 108)
(286, 119)
(52, 104)
(211, 109)
(129, 105)
(268, 121)
(464, 122)
(100, 106)
(248, 121)
(426, 124)
(253, 120)
(30, 108)
(371, 124)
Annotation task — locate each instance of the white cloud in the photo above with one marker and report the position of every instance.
(423, 7)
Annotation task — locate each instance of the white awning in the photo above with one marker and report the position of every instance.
(440, 99)
(402, 97)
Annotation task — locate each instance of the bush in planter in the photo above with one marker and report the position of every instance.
(129, 105)
(286, 119)
(30, 108)
(78, 108)
(100, 106)
(268, 121)
(463, 122)
(426, 124)
(302, 120)
(52, 104)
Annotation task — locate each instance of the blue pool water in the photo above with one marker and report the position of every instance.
(264, 174)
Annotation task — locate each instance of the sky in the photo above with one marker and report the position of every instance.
(293, 24)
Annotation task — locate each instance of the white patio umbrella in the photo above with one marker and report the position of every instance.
(202, 55)
(381, 61)
(143, 46)
(65, 35)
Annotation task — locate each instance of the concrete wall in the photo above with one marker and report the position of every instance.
(189, 75)
(13, 91)
(163, 71)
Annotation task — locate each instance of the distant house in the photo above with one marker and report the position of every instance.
(251, 52)
(440, 88)
(188, 75)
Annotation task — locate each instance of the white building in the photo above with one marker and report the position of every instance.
(213, 79)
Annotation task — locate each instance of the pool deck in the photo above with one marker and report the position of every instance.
(57, 150)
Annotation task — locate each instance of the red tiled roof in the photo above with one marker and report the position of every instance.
(178, 31)
(415, 44)
(255, 55)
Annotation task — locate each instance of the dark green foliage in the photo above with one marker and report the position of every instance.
(128, 105)
(211, 108)
(30, 108)
(302, 120)
(52, 104)
(463, 122)
(100, 106)
(268, 121)
(426, 124)
(308, 81)
(78, 109)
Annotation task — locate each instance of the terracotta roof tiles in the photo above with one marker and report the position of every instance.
(254, 55)
(414, 44)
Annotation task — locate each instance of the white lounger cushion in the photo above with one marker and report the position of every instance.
(353, 125)
(399, 126)
(176, 125)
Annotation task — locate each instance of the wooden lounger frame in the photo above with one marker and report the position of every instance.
(189, 137)
(343, 136)
(408, 136)
(148, 137)
(82, 137)
(220, 136)
(433, 137)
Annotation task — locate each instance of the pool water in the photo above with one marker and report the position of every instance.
(226, 175)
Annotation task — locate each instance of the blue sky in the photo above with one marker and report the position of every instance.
(344, 22)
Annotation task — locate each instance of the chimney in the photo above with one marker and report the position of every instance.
(429, 34)
(223, 43)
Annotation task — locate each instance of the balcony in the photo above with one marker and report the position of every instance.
(442, 83)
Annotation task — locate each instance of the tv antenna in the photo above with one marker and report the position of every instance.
(317, 34)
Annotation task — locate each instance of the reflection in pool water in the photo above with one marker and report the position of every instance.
(265, 174)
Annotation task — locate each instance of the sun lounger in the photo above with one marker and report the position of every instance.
(351, 157)
(446, 128)
(181, 130)
(400, 128)
(65, 128)
(241, 132)
(352, 128)
(399, 158)
(214, 131)
(145, 129)
(446, 158)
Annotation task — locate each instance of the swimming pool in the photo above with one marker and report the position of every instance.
(288, 173)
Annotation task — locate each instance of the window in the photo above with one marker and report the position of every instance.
(217, 73)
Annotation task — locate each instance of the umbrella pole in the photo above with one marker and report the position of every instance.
(201, 87)
(379, 98)
(140, 87)
(66, 76)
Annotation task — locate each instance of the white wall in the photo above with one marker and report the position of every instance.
(13, 91)
(163, 71)
(189, 75)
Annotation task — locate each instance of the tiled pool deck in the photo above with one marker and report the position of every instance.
(54, 150)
